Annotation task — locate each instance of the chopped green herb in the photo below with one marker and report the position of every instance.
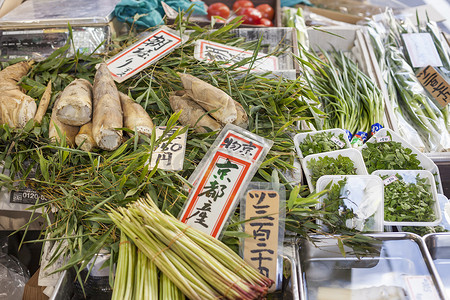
(320, 142)
(408, 202)
(389, 156)
(422, 230)
(326, 165)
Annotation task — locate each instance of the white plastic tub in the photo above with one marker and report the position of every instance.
(364, 195)
(425, 162)
(353, 154)
(409, 176)
(300, 137)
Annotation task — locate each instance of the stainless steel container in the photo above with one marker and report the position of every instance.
(438, 245)
(399, 268)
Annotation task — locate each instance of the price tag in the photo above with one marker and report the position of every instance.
(221, 177)
(421, 288)
(169, 156)
(210, 51)
(390, 180)
(143, 53)
(338, 142)
(261, 251)
(421, 50)
(383, 139)
(435, 84)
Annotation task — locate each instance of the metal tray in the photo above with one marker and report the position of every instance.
(438, 245)
(400, 265)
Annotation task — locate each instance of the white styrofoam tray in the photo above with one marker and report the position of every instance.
(300, 137)
(425, 162)
(363, 194)
(353, 154)
(409, 176)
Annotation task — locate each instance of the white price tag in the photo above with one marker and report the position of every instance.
(210, 51)
(143, 53)
(169, 156)
(421, 288)
(338, 142)
(390, 180)
(421, 50)
(383, 139)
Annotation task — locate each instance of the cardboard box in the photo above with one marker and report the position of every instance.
(333, 15)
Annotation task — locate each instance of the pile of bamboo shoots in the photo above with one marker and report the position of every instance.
(205, 106)
(88, 116)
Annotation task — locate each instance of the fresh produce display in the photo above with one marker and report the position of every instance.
(345, 92)
(87, 145)
(414, 105)
(325, 165)
(389, 156)
(320, 142)
(407, 201)
(201, 266)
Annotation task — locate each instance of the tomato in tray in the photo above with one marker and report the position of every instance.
(218, 9)
(251, 15)
(266, 10)
(241, 4)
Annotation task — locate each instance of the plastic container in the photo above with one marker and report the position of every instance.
(363, 194)
(353, 154)
(409, 176)
(425, 162)
(300, 137)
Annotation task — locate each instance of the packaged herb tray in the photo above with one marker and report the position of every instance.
(354, 201)
(340, 162)
(410, 198)
(320, 141)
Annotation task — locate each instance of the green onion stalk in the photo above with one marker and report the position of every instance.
(125, 271)
(197, 271)
(377, 34)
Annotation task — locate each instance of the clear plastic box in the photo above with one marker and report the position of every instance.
(300, 137)
(363, 194)
(409, 176)
(353, 154)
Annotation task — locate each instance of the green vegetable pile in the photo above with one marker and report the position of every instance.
(326, 165)
(408, 202)
(334, 205)
(389, 156)
(320, 142)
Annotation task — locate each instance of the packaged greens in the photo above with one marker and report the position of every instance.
(342, 165)
(322, 142)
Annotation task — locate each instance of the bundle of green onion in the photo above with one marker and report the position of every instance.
(201, 266)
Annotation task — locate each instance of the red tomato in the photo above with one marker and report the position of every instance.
(251, 15)
(240, 4)
(218, 9)
(265, 22)
(266, 10)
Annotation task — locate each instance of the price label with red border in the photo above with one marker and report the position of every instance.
(143, 53)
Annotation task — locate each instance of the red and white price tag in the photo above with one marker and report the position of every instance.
(383, 139)
(338, 142)
(143, 53)
(390, 180)
(421, 287)
(211, 51)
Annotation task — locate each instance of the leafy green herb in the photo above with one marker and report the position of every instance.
(423, 230)
(334, 205)
(320, 142)
(342, 165)
(389, 156)
(408, 202)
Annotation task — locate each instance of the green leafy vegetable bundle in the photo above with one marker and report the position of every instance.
(319, 142)
(342, 165)
(334, 205)
(408, 202)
